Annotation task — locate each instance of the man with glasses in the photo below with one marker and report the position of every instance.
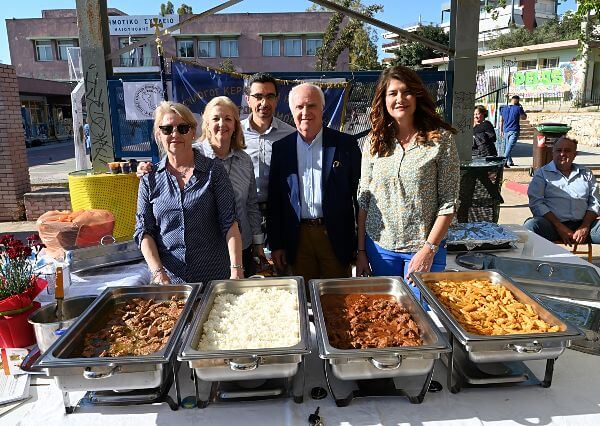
(261, 129)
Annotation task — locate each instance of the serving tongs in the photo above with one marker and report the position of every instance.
(59, 294)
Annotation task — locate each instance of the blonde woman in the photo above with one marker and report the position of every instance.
(186, 226)
(223, 139)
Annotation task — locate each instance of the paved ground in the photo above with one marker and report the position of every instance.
(51, 163)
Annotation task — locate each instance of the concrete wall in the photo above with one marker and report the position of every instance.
(14, 169)
(585, 125)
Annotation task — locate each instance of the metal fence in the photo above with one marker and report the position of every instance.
(134, 138)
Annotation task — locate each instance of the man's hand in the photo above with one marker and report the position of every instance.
(143, 168)
(580, 236)
(565, 234)
(279, 259)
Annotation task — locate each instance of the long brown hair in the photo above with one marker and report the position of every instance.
(426, 120)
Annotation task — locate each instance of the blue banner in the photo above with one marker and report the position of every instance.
(194, 86)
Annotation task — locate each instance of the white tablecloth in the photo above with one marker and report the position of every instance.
(573, 398)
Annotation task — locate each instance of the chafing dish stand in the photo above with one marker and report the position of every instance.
(486, 361)
(246, 374)
(125, 380)
(393, 371)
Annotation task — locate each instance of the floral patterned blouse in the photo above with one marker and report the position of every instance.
(404, 193)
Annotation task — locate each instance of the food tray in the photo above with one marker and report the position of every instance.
(511, 347)
(73, 373)
(356, 364)
(245, 364)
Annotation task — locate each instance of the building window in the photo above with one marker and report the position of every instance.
(292, 47)
(185, 48)
(207, 49)
(43, 50)
(62, 49)
(549, 63)
(271, 47)
(229, 48)
(312, 44)
(138, 57)
(527, 65)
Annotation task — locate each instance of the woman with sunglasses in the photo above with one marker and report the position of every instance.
(223, 139)
(186, 223)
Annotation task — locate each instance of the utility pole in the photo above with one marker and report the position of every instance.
(92, 22)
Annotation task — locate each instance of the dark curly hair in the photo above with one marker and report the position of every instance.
(426, 120)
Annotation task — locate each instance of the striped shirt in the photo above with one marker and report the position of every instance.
(189, 225)
(259, 147)
(238, 166)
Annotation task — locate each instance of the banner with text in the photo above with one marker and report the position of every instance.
(195, 85)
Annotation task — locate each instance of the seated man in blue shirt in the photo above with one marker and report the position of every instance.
(564, 200)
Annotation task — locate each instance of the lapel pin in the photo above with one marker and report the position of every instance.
(336, 163)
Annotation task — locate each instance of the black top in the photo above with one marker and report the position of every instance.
(484, 139)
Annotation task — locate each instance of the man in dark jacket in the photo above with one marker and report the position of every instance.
(311, 219)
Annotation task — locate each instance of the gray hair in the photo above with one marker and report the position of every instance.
(313, 86)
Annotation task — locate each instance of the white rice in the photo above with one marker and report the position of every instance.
(258, 318)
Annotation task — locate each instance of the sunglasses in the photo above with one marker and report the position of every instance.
(269, 96)
(182, 129)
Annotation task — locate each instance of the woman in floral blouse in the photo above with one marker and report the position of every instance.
(409, 180)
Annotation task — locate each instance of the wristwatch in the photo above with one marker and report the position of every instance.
(431, 246)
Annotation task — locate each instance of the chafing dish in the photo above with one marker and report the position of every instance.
(245, 364)
(540, 277)
(75, 373)
(84, 259)
(481, 349)
(364, 364)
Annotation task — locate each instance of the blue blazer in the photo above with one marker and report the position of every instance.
(341, 173)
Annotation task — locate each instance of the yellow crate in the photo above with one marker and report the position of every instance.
(116, 193)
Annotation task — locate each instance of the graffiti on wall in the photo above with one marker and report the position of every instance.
(547, 82)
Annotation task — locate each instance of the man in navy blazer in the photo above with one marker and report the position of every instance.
(312, 206)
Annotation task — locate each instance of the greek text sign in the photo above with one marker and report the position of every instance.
(139, 24)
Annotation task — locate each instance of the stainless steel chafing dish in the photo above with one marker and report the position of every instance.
(246, 364)
(481, 349)
(84, 259)
(541, 277)
(74, 373)
(373, 363)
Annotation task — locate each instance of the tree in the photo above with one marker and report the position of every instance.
(226, 65)
(184, 9)
(166, 9)
(411, 54)
(359, 38)
(566, 28)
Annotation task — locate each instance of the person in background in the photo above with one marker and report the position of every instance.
(311, 216)
(261, 129)
(484, 134)
(510, 126)
(564, 199)
(409, 180)
(186, 221)
(223, 140)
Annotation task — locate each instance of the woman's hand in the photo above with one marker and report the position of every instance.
(143, 168)
(362, 265)
(236, 274)
(161, 278)
(421, 261)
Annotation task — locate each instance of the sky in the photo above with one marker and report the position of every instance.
(400, 13)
